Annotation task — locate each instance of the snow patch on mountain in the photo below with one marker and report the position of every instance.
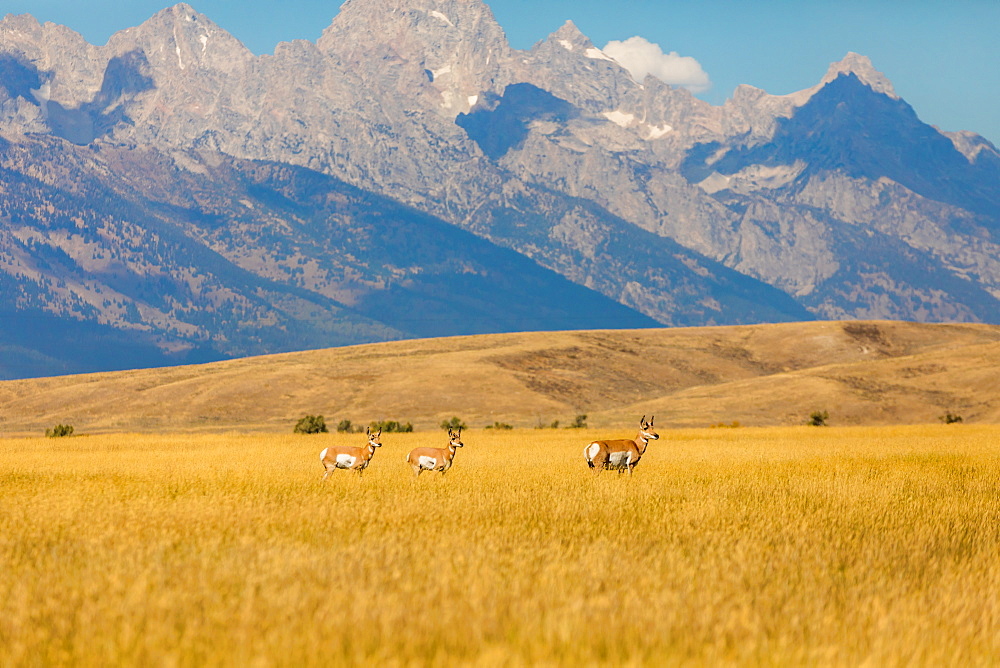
(659, 131)
(620, 118)
(438, 15)
(597, 54)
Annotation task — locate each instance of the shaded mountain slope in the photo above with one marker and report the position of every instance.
(228, 257)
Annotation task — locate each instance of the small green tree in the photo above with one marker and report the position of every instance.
(453, 423)
(499, 425)
(391, 426)
(311, 424)
(59, 430)
(950, 418)
(345, 427)
(580, 422)
(818, 419)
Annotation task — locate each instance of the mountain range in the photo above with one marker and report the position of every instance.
(170, 197)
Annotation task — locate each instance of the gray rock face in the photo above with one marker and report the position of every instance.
(557, 153)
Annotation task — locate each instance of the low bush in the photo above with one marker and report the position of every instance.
(454, 423)
(818, 419)
(59, 430)
(390, 426)
(311, 424)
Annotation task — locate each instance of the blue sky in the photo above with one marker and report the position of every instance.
(943, 57)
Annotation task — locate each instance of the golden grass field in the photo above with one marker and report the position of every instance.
(773, 546)
(862, 373)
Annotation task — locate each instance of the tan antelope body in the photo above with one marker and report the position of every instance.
(435, 459)
(620, 454)
(350, 457)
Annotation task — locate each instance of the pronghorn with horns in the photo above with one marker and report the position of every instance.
(435, 459)
(350, 457)
(620, 454)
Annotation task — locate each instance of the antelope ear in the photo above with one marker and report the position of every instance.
(651, 418)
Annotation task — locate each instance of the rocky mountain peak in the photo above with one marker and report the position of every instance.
(861, 67)
(12, 24)
(570, 38)
(759, 110)
(446, 52)
(179, 38)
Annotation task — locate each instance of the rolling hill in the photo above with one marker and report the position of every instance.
(871, 372)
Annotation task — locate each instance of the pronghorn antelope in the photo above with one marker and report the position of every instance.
(435, 459)
(349, 457)
(620, 454)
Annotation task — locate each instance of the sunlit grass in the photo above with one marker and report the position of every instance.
(775, 546)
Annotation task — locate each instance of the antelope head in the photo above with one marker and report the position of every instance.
(374, 440)
(455, 438)
(646, 429)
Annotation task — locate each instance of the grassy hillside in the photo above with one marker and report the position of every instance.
(859, 372)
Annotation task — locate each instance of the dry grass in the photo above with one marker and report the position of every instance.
(766, 375)
(749, 546)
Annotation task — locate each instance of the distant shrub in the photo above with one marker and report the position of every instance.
(59, 430)
(499, 425)
(390, 426)
(311, 424)
(735, 424)
(346, 427)
(453, 423)
(818, 419)
(950, 418)
(580, 422)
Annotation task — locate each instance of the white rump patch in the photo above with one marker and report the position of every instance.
(427, 462)
(322, 455)
(592, 451)
(345, 461)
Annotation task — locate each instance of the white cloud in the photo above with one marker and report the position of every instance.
(641, 57)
